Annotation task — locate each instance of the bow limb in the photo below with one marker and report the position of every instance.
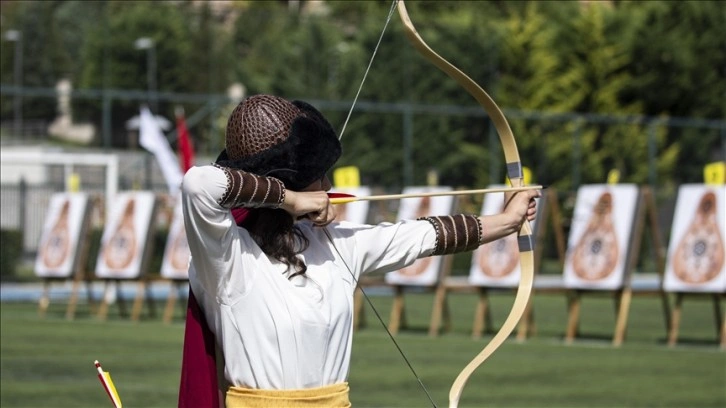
(514, 172)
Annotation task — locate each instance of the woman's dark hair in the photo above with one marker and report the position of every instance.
(274, 230)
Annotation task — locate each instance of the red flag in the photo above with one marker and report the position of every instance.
(185, 144)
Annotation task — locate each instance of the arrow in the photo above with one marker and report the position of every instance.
(343, 198)
(107, 383)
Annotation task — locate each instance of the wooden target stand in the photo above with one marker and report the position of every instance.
(143, 283)
(714, 174)
(175, 289)
(550, 222)
(549, 217)
(645, 212)
(440, 308)
(176, 284)
(719, 318)
(359, 303)
(143, 295)
(80, 274)
(79, 279)
(44, 301)
(397, 318)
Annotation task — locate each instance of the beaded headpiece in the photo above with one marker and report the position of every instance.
(271, 136)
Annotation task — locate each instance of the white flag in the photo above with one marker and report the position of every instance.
(153, 140)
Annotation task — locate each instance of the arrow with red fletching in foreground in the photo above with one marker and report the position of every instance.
(343, 198)
(107, 383)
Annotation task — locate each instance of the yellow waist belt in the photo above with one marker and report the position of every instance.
(335, 395)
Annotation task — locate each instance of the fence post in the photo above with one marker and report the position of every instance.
(494, 162)
(576, 155)
(106, 121)
(407, 144)
(652, 152)
(148, 182)
(22, 202)
(212, 120)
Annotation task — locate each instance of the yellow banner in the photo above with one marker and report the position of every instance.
(346, 177)
(715, 173)
(74, 182)
(526, 177)
(614, 176)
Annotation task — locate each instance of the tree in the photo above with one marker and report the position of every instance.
(678, 54)
(535, 77)
(111, 61)
(45, 41)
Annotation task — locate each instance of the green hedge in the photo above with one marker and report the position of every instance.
(11, 252)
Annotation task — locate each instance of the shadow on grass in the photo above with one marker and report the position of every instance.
(691, 341)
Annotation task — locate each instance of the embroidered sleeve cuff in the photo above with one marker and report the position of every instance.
(251, 191)
(456, 233)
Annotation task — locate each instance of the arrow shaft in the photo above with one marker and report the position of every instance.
(343, 200)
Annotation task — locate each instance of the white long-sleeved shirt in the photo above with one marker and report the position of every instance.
(276, 332)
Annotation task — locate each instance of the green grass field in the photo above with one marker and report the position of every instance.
(49, 362)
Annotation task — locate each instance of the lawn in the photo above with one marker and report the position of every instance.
(49, 362)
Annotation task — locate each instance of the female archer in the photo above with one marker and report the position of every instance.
(273, 277)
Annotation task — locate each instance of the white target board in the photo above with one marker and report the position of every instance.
(125, 236)
(424, 271)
